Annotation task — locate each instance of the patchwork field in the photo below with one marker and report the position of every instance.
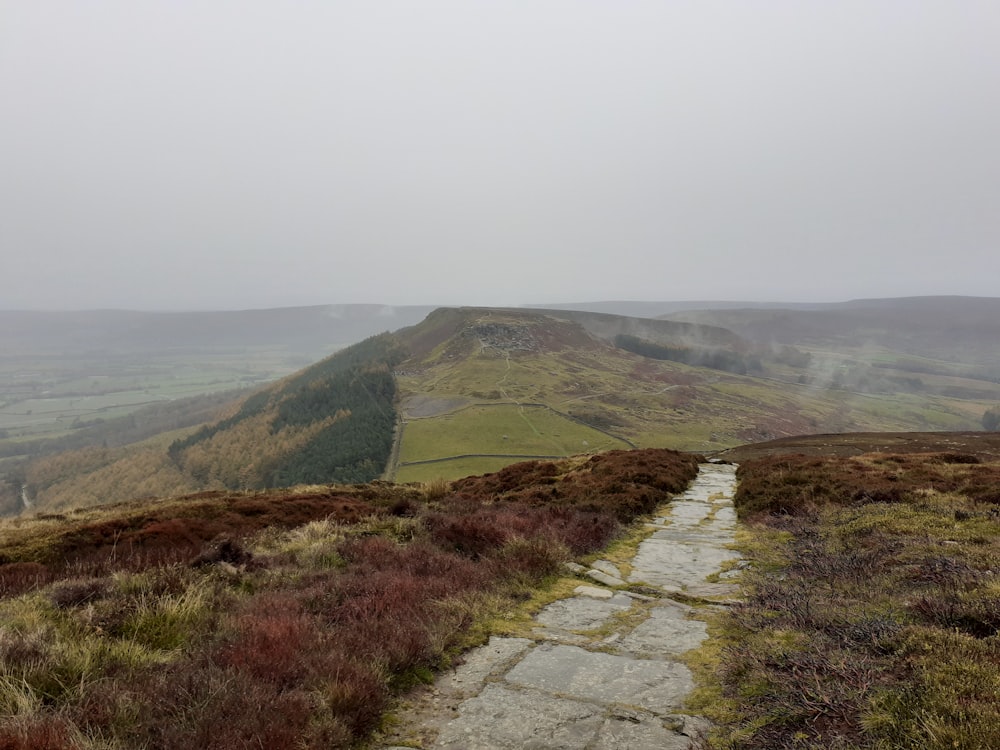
(44, 397)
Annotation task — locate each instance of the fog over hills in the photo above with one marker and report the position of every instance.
(472, 388)
(317, 330)
(963, 330)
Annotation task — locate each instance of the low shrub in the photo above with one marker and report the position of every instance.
(19, 577)
(285, 620)
(875, 622)
(39, 732)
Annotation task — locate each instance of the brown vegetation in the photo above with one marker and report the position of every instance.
(281, 620)
(872, 615)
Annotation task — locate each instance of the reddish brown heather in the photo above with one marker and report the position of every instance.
(173, 533)
(793, 484)
(38, 733)
(624, 483)
(878, 599)
(292, 657)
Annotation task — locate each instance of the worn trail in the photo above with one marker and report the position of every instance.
(602, 669)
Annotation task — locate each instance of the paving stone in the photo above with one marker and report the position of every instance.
(727, 514)
(593, 592)
(664, 634)
(502, 718)
(470, 676)
(638, 597)
(645, 732)
(557, 695)
(556, 635)
(606, 567)
(688, 513)
(663, 562)
(693, 726)
(602, 577)
(656, 686)
(581, 612)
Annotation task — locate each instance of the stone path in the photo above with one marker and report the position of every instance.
(601, 671)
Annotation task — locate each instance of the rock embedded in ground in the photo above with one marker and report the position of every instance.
(667, 631)
(593, 592)
(641, 733)
(657, 686)
(582, 612)
(676, 563)
(606, 567)
(469, 677)
(601, 577)
(505, 718)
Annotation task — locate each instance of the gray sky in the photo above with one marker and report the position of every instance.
(174, 154)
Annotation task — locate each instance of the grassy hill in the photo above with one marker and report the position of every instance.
(479, 382)
(332, 421)
(291, 619)
(918, 337)
(476, 389)
(284, 619)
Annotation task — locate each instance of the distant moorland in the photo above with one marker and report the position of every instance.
(468, 390)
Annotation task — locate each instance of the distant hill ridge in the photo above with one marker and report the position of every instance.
(467, 388)
(960, 329)
(314, 329)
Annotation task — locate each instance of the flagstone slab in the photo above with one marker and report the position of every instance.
(666, 633)
(504, 718)
(582, 612)
(553, 692)
(642, 733)
(593, 592)
(601, 577)
(606, 567)
(661, 562)
(479, 663)
(657, 686)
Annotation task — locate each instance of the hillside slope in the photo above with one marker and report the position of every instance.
(331, 422)
(954, 335)
(477, 389)
(475, 374)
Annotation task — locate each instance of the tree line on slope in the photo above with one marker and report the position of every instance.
(331, 423)
(711, 357)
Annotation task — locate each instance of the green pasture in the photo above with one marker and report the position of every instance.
(500, 429)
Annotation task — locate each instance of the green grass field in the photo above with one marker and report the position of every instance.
(666, 404)
(493, 430)
(500, 429)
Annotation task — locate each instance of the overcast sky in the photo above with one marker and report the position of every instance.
(172, 154)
